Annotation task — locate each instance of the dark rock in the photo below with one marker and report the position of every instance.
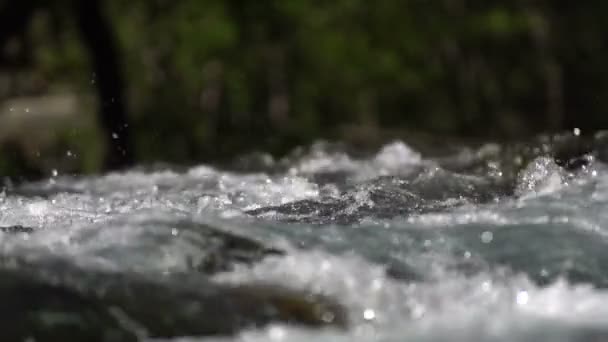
(221, 250)
(38, 190)
(16, 229)
(57, 301)
(390, 196)
(472, 176)
(46, 312)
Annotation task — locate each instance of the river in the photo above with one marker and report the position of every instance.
(392, 246)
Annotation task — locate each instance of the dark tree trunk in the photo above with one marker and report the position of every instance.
(14, 17)
(100, 42)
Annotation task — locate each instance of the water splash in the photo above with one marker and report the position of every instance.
(467, 247)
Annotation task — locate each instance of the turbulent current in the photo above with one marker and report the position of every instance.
(492, 243)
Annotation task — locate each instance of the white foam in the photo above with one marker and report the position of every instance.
(103, 221)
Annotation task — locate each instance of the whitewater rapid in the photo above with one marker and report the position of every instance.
(411, 248)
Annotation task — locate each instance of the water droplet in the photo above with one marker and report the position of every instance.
(487, 237)
(174, 231)
(522, 297)
(486, 286)
(377, 284)
(204, 203)
(328, 317)
(467, 255)
(27, 110)
(325, 266)
(418, 311)
(114, 135)
(369, 314)
(55, 173)
(276, 333)
(69, 153)
(576, 131)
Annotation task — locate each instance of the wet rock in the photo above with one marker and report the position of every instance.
(36, 190)
(402, 272)
(216, 250)
(57, 301)
(570, 150)
(221, 250)
(307, 211)
(16, 229)
(46, 312)
(387, 197)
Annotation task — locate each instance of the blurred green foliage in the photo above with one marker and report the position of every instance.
(210, 78)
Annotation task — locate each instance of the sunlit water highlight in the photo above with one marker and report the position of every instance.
(413, 251)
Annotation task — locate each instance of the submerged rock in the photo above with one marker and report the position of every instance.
(50, 298)
(472, 176)
(16, 229)
(387, 197)
(57, 301)
(572, 151)
(219, 250)
(46, 312)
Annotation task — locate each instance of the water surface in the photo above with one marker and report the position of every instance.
(465, 247)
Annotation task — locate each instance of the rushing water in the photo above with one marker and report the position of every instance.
(478, 245)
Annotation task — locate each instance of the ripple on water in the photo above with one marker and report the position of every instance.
(416, 248)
